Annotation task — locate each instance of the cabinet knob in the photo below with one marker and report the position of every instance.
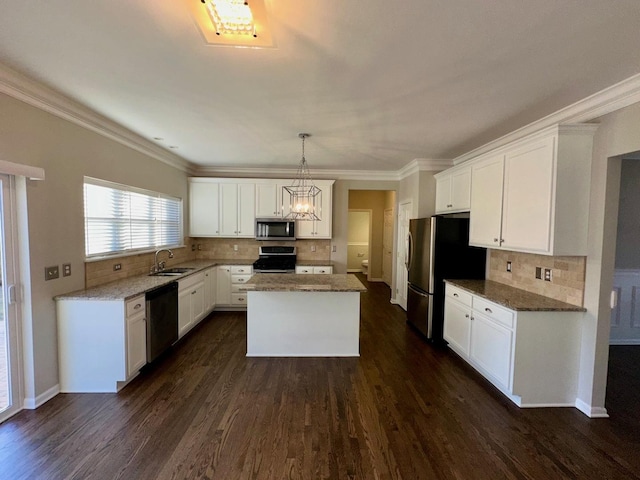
(193, 293)
(472, 317)
(495, 240)
(501, 241)
(466, 316)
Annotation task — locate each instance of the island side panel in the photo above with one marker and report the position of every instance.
(303, 324)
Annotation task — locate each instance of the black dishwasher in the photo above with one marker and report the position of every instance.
(162, 319)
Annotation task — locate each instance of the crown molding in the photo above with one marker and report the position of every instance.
(423, 165)
(20, 87)
(615, 97)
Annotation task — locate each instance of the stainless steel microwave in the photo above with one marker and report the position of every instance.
(275, 229)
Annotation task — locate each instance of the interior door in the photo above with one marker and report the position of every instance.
(11, 394)
(404, 214)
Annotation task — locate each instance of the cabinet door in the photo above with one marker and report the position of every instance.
(320, 228)
(461, 190)
(210, 282)
(246, 210)
(267, 196)
(136, 343)
(204, 216)
(491, 348)
(443, 194)
(198, 311)
(528, 197)
(184, 311)
(228, 209)
(486, 202)
(223, 288)
(457, 326)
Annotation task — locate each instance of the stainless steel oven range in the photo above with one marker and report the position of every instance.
(276, 260)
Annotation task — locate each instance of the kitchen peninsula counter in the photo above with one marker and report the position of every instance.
(292, 315)
(514, 298)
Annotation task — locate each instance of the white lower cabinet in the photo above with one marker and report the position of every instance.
(136, 335)
(210, 285)
(101, 343)
(530, 356)
(191, 307)
(230, 281)
(320, 270)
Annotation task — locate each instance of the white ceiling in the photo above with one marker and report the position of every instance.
(377, 83)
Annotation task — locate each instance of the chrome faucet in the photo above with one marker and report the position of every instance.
(159, 266)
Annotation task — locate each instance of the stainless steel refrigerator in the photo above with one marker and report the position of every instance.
(438, 249)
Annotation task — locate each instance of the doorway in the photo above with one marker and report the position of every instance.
(359, 241)
(10, 371)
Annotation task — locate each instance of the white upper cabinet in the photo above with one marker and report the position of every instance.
(269, 199)
(221, 208)
(486, 202)
(204, 217)
(319, 228)
(453, 190)
(533, 195)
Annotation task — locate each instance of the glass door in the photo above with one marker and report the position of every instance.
(10, 383)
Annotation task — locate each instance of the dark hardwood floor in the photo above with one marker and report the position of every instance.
(402, 410)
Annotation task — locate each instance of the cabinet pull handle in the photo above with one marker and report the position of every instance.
(455, 294)
(137, 306)
(466, 316)
(472, 317)
(193, 293)
(488, 310)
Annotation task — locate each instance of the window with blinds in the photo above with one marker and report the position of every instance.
(120, 219)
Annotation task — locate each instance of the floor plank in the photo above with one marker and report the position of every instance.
(403, 410)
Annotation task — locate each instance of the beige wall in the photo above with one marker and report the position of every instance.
(55, 212)
(616, 136)
(628, 233)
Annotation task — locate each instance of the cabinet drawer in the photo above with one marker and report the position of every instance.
(493, 311)
(239, 298)
(235, 288)
(240, 278)
(235, 269)
(135, 305)
(304, 270)
(323, 270)
(459, 295)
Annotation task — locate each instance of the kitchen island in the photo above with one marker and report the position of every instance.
(303, 315)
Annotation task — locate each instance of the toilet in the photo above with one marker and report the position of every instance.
(365, 266)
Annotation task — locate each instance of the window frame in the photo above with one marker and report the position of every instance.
(128, 189)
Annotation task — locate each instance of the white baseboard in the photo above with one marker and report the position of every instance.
(625, 341)
(591, 412)
(31, 403)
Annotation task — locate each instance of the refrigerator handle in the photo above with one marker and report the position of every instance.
(408, 256)
(417, 292)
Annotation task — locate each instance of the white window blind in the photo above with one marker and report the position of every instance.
(120, 219)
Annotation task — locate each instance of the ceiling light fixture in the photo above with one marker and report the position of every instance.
(231, 17)
(305, 199)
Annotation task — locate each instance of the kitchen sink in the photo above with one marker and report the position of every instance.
(172, 272)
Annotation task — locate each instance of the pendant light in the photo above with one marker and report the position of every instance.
(305, 199)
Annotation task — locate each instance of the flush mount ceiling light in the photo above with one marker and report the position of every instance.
(231, 17)
(304, 197)
(234, 23)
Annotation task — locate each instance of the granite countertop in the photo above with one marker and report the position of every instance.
(514, 298)
(287, 282)
(314, 263)
(133, 286)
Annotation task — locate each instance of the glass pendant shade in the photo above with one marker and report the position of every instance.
(305, 199)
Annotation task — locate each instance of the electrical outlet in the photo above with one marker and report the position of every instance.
(539, 273)
(66, 269)
(200, 247)
(235, 248)
(193, 247)
(117, 266)
(547, 274)
(508, 266)
(313, 248)
(51, 272)
(334, 248)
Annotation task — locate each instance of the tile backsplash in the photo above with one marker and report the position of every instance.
(568, 274)
(101, 272)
